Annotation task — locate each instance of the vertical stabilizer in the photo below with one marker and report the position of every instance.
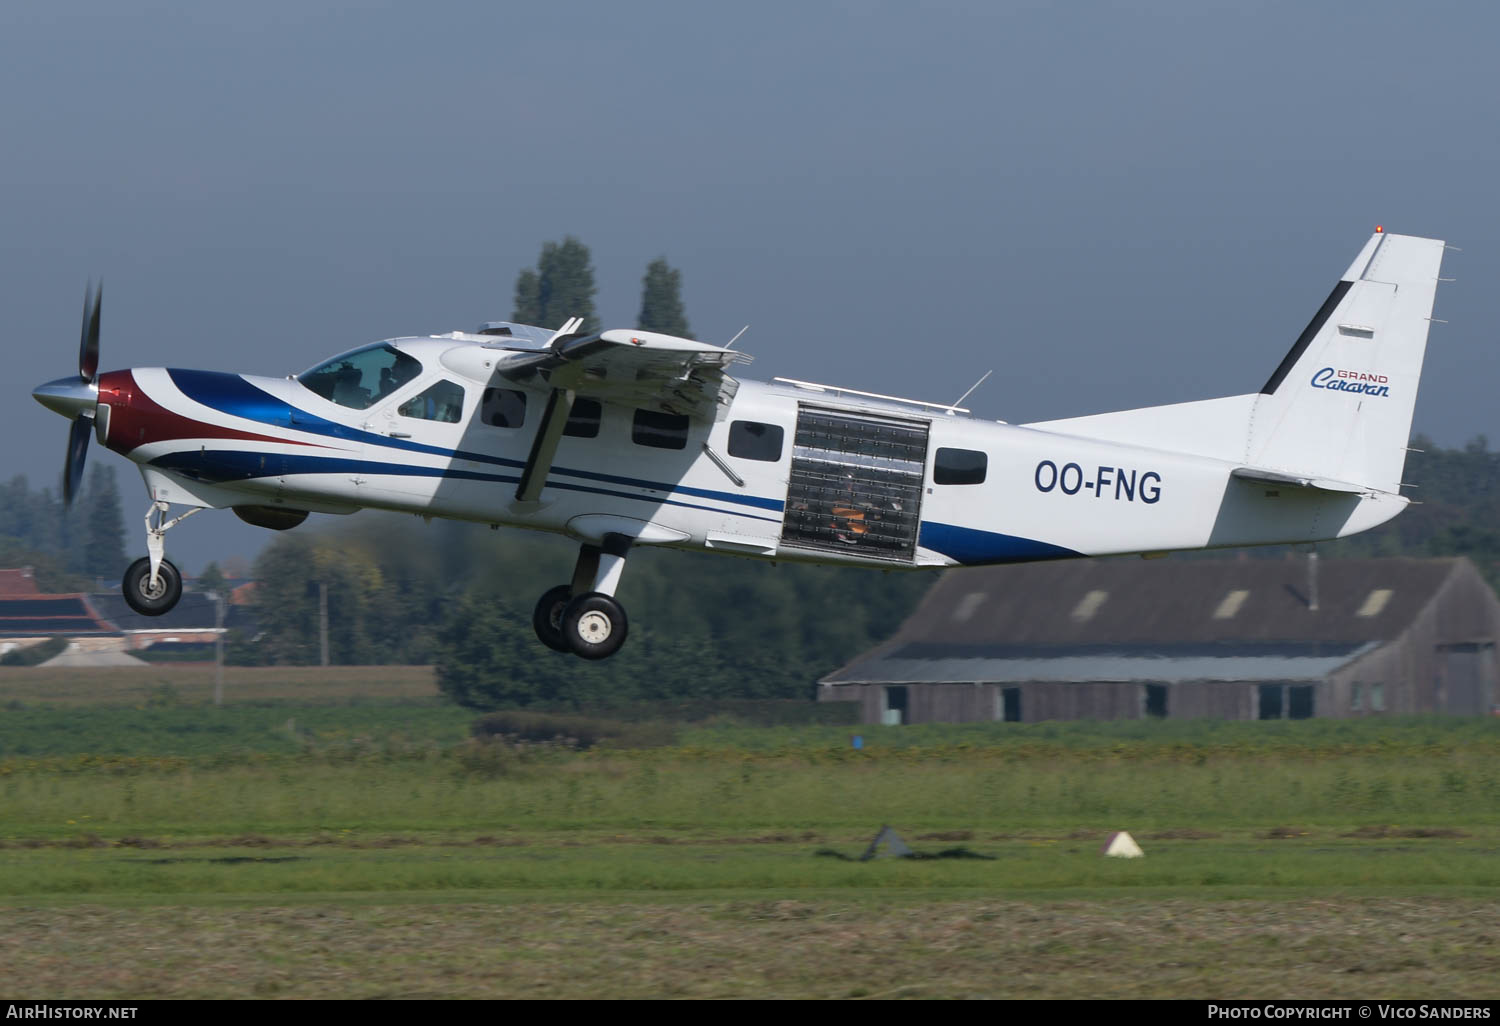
(1340, 404)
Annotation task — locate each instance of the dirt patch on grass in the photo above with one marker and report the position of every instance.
(231, 860)
(250, 841)
(1182, 834)
(1285, 833)
(138, 842)
(1377, 832)
(85, 841)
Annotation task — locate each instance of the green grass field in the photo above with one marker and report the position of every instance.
(335, 834)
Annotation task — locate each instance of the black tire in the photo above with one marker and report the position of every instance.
(594, 626)
(137, 591)
(546, 620)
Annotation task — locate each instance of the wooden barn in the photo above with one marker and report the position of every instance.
(1131, 638)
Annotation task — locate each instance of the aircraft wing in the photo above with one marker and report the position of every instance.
(638, 369)
(631, 368)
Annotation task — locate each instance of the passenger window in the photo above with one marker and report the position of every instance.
(583, 422)
(959, 467)
(750, 440)
(442, 402)
(503, 407)
(659, 430)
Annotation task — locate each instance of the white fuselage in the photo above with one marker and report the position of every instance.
(1043, 494)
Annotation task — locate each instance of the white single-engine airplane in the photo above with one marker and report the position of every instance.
(628, 438)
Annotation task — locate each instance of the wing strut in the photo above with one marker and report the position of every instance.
(544, 446)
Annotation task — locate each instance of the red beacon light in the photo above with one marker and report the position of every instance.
(1379, 230)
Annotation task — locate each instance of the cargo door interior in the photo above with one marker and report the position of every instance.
(856, 484)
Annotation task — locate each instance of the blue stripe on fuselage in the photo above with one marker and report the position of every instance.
(222, 465)
(973, 547)
(234, 395)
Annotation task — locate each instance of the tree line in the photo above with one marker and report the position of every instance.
(1455, 510)
(562, 286)
(69, 549)
(461, 597)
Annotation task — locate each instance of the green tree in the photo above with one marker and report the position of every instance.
(461, 596)
(290, 573)
(487, 659)
(385, 593)
(103, 526)
(51, 576)
(211, 579)
(528, 298)
(661, 300)
(562, 286)
(37, 521)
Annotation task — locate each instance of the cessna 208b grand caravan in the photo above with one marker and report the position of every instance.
(628, 438)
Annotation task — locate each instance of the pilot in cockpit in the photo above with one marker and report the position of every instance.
(348, 391)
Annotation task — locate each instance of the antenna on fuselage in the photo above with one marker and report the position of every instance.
(970, 392)
(737, 334)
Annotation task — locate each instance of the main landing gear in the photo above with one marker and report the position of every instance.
(152, 585)
(583, 617)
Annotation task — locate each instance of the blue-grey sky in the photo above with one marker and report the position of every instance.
(1112, 205)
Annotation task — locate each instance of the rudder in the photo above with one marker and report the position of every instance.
(1340, 404)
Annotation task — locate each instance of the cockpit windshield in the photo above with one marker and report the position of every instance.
(362, 378)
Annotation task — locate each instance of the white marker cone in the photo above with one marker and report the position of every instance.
(1123, 846)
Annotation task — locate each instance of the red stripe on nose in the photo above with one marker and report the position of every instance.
(135, 419)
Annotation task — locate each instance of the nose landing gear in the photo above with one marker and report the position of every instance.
(152, 584)
(583, 617)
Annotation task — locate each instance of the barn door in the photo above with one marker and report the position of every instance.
(856, 484)
(1469, 674)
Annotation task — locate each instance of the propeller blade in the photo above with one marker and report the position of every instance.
(88, 341)
(78, 448)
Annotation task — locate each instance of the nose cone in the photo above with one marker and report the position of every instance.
(68, 396)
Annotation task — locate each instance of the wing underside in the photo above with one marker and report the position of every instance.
(639, 369)
(635, 369)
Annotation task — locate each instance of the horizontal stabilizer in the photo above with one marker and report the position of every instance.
(1276, 479)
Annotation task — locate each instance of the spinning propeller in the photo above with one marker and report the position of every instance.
(78, 398)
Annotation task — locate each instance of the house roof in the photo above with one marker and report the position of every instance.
(194, 611)
(18, 582)
(25, 611)
(1129, 619)
(51, 614)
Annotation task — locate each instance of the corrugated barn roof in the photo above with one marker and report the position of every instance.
(1132, 619)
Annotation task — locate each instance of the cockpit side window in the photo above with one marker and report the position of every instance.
(442, 401)
(362, 378)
